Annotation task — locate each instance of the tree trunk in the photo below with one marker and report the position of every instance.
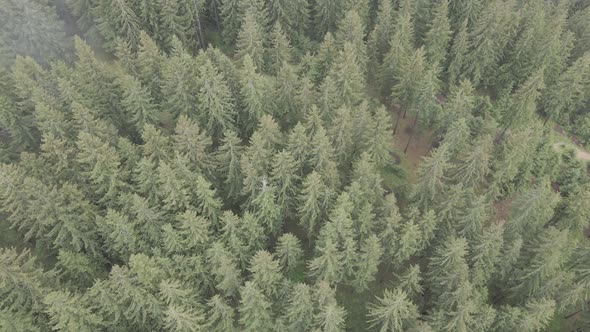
(411, 133)
(396, 122)
(405, 111)
(199, 30)
(501, 135)
(546, 119)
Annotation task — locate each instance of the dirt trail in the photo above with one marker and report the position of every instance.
(580, 153)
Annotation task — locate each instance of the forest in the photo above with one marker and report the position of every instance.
(294, 165)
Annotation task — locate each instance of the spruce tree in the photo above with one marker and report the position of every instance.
(327, 14)
(254, 94)
(331, 318)
(251, 40)
(255, 309)
(190, 141)
(231, 16)
(328, 265)
(368, 262)
(228, 162)
(220, 315)
(523, 104)
(439, 34)
(432, 177)
(280, 51)
(393, 312)
(300, 308)
(138, 102)
(351, 30)
(347, 74)
(458, 54)
(289, 252)
(378, 40)
(216, 105)
(66, 313)
(117, 19)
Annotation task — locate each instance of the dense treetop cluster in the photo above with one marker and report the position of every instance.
(227, 165)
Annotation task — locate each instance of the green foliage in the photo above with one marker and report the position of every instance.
(255, 309)
(393, 312)
(30, 28)
(251, 40)
(152, 182)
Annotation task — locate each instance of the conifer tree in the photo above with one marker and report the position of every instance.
(368, 262)
(208, 204)
(475, 165)
(542, 265)
(351, 30)
(121, 237)
(567, 92)
(411, 281)
(393, 312)
(328, 265)
(228, 162)
(149, 64)
(117, 19)
(284, 178)
(182, 319)
(378, 40)
(31, 29)
(251, 40)
(379, 137)
(327, 14)
(458, 54)
(255, 309)
(401, 45)
(266, 273)
(292, 15)
(22, 282)
(325, 56)
(179, 82)
(486, 253)
(298, 145)
(66, 313)
(523, 103)
(253, 92)
(220, 315)
(490, 34)
(85, 121)
(432, 177)
(533, 209)
(231, 16)
(439, 34)
(331, 318)
(322, 157)
(224, 269)
(216, 106)
(289, 252)
(300, 308)
(138, 102)
(347, 74)
(192, 143)
(280, 51)
(340, 133)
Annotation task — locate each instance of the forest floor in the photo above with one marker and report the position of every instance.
(566, 140)
(420, 145)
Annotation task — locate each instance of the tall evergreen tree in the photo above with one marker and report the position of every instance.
(255, 309)
(439, 34)
(216, 105)
(251, 40)
(347, 74)
(394, 312)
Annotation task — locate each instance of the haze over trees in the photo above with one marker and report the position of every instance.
(247, 165)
